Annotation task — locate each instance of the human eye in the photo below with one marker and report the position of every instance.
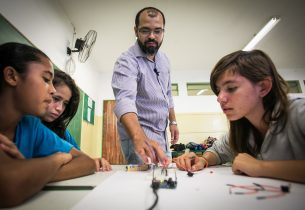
(66, 104)
(144, 30)
(47, 79)
(56, 99)
(231, 89)
(158, 31)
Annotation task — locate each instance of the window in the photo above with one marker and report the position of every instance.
(175, 90)
(199, 89)
(294, 86)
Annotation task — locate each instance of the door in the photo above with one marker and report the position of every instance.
(111, 140)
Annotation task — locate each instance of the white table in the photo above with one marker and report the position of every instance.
(65, 199)
(207, 189)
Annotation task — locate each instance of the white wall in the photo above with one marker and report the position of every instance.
(45, 24)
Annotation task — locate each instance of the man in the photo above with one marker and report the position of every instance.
(142, 88)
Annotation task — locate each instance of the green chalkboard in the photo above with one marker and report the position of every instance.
(75, 126)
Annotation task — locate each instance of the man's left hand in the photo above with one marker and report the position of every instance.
(174, 133)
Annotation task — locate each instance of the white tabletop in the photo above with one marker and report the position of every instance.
(65, 199)
(207, 189)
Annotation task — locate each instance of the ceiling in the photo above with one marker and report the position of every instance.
(198, 32)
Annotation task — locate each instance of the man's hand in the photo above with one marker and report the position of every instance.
(160, 155)
(102, 164)
(174, 133)
(150, 149)
(10, 148)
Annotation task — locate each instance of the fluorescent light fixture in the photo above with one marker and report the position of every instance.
(262, 33)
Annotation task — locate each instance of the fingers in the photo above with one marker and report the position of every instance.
(197, 166)
(180, 163)
(98, 164)
(183, 162)
(12, 152)
(144, 150)
(189, 162)
(174, 136)
(106, 165)
(161, 156)
(102, 164)
(10, 148)
(146, 153)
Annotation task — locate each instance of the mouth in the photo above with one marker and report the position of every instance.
(55, 116)
(226, 110)
(151, 44)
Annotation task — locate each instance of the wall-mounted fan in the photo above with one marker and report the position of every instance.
(84, 46)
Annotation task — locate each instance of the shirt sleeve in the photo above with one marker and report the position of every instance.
(69, 138)
(124, 85)
(222, 150)
(48, 142)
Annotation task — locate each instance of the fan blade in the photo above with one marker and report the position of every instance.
(89, 41)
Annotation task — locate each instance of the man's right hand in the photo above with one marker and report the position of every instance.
(151, 149)
(144, 147)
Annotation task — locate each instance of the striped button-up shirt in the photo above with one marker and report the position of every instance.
(143, 87)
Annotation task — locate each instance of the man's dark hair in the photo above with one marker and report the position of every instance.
(153, 11)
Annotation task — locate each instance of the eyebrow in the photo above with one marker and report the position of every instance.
(227, 82)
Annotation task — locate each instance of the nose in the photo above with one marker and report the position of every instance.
(59, 106)
(52, 89)
(221, 98)
(152, 35)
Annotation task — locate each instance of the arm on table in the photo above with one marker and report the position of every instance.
(20, 178)
(80, 165)
(292, 170)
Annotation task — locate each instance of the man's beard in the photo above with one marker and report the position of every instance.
(151, 50)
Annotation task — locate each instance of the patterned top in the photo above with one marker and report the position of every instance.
(143, 87)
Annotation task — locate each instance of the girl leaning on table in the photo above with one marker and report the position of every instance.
(266, 137)
(31, 155)
(63, 108)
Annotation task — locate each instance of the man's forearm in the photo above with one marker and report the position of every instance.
(133, 127)
(172, 116)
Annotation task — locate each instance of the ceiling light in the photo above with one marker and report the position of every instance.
(260, 35)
